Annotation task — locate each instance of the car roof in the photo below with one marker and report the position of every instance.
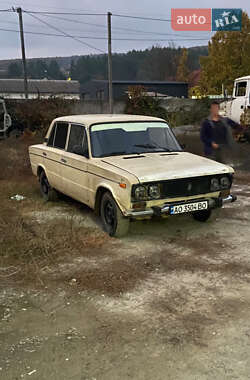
(88, 120)
(243, 78)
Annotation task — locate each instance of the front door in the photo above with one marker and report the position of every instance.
(75, 160)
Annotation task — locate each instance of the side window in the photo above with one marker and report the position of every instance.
(52, 136)
(61, 135)
(77, 137)
(240, 89)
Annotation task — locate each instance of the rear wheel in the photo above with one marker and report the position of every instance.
(114, 223)
(48, 193)
(202, 216)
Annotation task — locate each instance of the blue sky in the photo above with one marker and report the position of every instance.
(94, 27)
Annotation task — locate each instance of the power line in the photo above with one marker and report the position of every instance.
(114, 28)
(66, 34)
(50, 7)
(93, 14)
(16, 23)
(102, 38)
(65, 13)
(149, 18)
(142, 18)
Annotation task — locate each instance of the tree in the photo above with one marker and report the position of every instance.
(15, 70)
(228, 58)
(182, 69)
(72, 70)
(54, 71)
(37, 69)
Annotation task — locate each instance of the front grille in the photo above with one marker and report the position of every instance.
(185, 187)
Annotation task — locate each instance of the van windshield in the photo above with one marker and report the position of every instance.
(125, 138)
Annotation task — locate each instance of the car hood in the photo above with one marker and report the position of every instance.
(149, 167)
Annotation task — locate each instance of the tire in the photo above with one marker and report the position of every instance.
(48, 193)
(202, 216)
(114, 223)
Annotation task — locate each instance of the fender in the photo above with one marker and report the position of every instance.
(38, 171)
(111, 190)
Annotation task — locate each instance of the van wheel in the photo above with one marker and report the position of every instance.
(202, 216)
(114, 223)
(48, 193)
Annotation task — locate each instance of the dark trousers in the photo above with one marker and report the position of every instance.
(219, 154)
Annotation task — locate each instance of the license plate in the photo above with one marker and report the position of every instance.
(188, 207)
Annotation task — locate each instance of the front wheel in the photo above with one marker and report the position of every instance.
(202, 216)
(114, 223)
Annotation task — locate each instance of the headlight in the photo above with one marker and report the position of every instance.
(154, 191)
(215, 185)
(140, 193)
(225, 183)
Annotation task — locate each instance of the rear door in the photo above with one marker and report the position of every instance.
(75, 171)
(53, 154)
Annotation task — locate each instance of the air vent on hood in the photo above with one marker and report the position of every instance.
(130, 157)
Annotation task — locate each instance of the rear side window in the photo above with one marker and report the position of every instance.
(76, 137)
(61, 135)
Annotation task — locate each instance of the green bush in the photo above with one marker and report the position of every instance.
(140, 104)
(37, 114)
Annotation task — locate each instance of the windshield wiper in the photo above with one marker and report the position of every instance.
(152, 146)
(113, 154)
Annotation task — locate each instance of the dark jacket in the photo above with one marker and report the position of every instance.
(208, 134)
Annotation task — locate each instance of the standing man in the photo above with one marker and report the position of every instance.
(216, 134)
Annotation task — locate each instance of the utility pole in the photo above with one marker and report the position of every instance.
(110, 64)
(25, 81)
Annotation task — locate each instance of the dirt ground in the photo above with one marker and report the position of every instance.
(171, 301)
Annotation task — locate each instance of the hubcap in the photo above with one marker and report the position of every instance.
(109, 213)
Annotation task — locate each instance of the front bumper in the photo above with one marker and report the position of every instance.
(165, 209)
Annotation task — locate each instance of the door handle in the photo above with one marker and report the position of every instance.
(45, 154)
(63, 160)
(241, 107)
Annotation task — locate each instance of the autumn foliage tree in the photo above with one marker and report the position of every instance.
(228, 58)
(182, 69)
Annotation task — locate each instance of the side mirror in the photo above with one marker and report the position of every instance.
(78, 149)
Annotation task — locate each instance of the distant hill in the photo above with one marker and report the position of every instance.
(156, 63)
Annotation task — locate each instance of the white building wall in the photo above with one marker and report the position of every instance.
(41, 96)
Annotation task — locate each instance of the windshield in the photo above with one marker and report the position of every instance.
(132, 138)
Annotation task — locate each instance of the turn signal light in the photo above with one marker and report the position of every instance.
(123, 185)
(139, 205)
(224, 193)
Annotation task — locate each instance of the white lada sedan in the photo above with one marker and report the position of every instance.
(126, 166)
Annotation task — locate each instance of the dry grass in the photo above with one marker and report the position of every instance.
(26, 246)
(14, 159)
